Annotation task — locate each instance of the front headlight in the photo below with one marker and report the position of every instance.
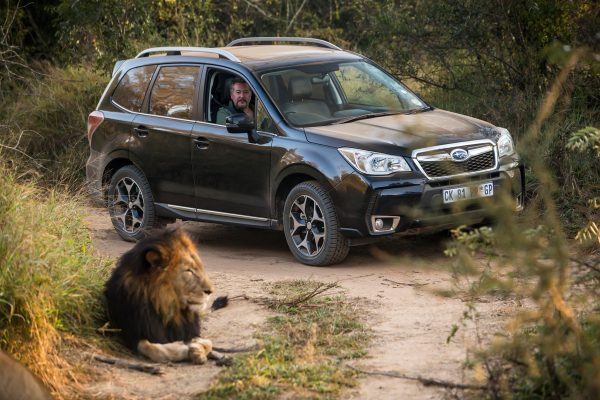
(505, 143)
(371, 163)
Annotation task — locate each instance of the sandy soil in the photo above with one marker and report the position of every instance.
(395, 278)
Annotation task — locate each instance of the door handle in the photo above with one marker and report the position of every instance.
(201, 143)
(141, 131)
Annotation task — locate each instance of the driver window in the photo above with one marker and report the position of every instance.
(227, 94)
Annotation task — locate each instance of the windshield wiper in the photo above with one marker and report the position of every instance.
(419, 110)
(365, 116)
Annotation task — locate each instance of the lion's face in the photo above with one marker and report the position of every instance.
(178, 283)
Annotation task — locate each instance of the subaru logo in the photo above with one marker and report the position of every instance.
(459, 154)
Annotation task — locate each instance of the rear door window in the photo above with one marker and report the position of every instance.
(173, 92)
(130, 91)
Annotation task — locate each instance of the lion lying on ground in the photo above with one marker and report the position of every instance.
(156, 296)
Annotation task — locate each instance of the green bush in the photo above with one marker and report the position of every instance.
(50, 280)
(43, 125)
(550, 349)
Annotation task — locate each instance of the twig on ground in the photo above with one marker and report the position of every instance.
(323, 287)
(242, 296)
(404, 284)
(104, 329)
(355, 277)
(594, 265)
(424, 381)
(149, 369)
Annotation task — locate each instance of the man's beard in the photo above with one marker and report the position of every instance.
(241, 104)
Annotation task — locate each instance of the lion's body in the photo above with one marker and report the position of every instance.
(156, 295)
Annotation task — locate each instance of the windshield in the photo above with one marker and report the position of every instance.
(333, 93)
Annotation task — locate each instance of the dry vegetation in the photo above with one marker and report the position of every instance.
(50, 278)
(534, 70)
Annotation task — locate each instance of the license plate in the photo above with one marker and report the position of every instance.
(468, 192)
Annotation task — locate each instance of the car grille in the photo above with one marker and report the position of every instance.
(437, 162)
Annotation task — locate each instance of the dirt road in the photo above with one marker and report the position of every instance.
(396, 278)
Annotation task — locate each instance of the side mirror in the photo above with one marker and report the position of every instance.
(238, 123)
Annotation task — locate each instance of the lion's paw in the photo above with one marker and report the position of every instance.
(199, 349)
(206, 343)
(198, 354)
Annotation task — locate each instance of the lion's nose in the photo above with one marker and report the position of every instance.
(208, 291)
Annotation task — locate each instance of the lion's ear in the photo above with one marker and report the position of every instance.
(154, 258)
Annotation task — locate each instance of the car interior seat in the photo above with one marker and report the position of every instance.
(301, 107)
(301, 91)
(219, 94)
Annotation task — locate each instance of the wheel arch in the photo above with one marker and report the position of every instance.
(109, 170)
(289, 178)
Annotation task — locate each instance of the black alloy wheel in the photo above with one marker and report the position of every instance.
(131, 204)
(311, 227)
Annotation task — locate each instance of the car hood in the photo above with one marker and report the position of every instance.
(401, 133)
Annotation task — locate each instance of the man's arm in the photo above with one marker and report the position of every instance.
(223, 113)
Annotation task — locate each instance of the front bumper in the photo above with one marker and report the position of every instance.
(418, 204)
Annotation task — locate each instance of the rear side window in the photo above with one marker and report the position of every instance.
(173, 91)
(131, 89)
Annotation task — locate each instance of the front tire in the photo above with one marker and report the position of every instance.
(131, 204)
(311, 226)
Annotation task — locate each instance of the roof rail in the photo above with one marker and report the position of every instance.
(176, 51)
(117, 66)
(273, 39)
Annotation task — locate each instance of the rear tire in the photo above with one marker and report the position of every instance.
(311, 226)
(131, 204)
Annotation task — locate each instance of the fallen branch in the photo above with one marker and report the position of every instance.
(317, 291)
(239, 297)
(149, 369)
(404, 284)
(594, 265)
(424, 381)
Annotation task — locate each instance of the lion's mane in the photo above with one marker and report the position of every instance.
(141, 300)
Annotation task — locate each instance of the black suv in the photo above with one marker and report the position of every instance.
(340, 153)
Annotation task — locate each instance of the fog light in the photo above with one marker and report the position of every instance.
(384, 223)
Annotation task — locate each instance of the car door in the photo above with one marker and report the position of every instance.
(231, 170)
(161, 142)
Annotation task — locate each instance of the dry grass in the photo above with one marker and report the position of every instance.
(50, 279)
(304, 350)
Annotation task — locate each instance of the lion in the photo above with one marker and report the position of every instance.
(156, 296)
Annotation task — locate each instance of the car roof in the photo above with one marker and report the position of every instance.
(254, 57)
(262, 57)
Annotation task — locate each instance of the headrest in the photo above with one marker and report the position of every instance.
(300, 88)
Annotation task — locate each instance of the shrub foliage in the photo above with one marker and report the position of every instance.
(530, 66)
(50, 280)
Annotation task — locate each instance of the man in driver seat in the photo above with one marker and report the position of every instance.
(240, 95)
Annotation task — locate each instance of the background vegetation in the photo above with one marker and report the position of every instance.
(532, 66)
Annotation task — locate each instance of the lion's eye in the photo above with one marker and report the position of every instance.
(190, 272)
